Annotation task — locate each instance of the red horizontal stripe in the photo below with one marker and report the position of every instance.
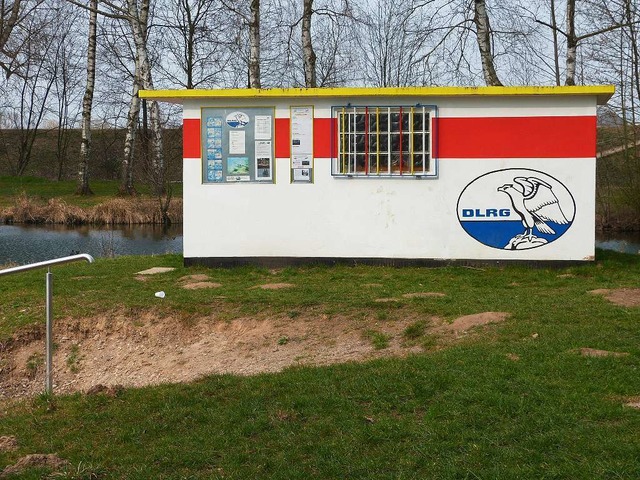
(191, 138)
(516, 137)
(283, 138)
(325, 137)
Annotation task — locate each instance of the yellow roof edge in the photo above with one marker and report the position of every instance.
(602, 92)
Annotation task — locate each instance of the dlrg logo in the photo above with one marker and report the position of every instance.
(486, 213)
(516, 209)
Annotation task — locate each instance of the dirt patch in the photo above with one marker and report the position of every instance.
(36, 460)
(386, 300)
(199, 285)
(592, 352)
(155, 270)
(423, 294)
(625, 297)
(463, 324)
(274, 286)
(633, 402)
(514, 357)
(8, 443)
(200, 277)
(104, 354)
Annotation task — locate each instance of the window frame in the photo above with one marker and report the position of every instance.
(355, 162)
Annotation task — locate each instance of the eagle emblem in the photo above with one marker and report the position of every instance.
(535, 203)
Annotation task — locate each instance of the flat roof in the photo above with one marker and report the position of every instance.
(602, 92)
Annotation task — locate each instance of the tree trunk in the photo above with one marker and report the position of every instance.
(556, 49)
(572, 43)
(309, 56)
(126, 172)
(483, 35)
(254, 45)
(143, 79)
(87, 103)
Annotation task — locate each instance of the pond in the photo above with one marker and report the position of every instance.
(27, 244)
(626, 242)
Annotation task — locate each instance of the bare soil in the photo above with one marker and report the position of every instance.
(8, 443)
(128, 350)
(593, 352)
(625, 297)
(35, 460)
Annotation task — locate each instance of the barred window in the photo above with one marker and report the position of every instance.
(384, 141)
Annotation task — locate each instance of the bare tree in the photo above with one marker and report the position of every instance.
(66, 88)
(483, 36)
(308, 54)
(395, 36)
(87, 103)
(34, 84)
(14, 15)
(252, 21)
(136, 14)
(196, 39)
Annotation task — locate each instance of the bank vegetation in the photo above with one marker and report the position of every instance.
(114, 211)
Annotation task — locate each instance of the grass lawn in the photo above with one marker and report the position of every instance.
(42, 188)
(517, 402)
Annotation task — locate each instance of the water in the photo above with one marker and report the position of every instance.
(620, 241)
(27, 244)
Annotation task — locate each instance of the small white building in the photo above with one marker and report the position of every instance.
(388, 175)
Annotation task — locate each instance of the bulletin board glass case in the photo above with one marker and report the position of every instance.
(237, 145)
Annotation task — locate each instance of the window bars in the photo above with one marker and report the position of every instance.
(384, 141)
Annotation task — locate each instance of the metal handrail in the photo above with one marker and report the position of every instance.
(49, 303)
(47, 263)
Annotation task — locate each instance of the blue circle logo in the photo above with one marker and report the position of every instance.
(516, 209)
(237, 119)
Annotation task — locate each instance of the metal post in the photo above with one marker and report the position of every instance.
(49, 303)
(49, 313)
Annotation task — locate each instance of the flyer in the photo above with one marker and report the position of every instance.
(237, 142)
(301, 161)
(301, 130)
(301, 174)
(263, 160)
(263, 127)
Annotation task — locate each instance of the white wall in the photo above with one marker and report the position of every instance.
(378, 218)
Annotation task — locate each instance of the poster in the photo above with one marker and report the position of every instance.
(301, 161)
(263, 160)
(238, 169)
(301, 174)
(263, 127)
(301, 130)
(214, 149)
(237, 142)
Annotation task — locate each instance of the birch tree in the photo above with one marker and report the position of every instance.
(483, 36)
(251, 20)
(87, 104)
(308, 55)
(136, 14)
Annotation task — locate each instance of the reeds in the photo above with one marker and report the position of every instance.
(115, 211)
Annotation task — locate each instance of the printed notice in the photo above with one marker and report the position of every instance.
(263, 127)
(301, 174)
(263, 160)
(301, 130)
(237, 142)
(301, 161)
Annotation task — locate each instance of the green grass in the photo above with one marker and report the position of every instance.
(465, 411)
(11, 187)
